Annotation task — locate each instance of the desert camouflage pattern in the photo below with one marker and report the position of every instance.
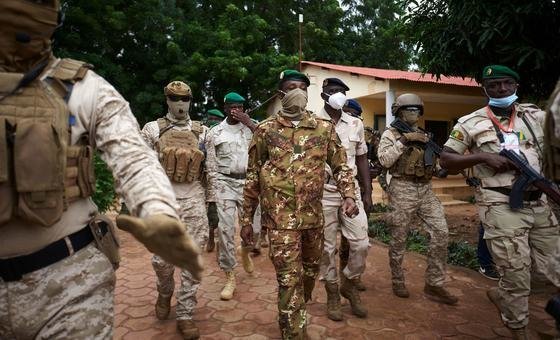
(517, 240)
(71, 299)
(406, 199)
(193, 214)
(295, 255)
(286, 169)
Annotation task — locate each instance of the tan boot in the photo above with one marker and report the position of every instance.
(246, 260)
(229, 288)
(440, 294)
(163, 305)
(399, 289)
(349, 291)
(334, 311)
(188, 329)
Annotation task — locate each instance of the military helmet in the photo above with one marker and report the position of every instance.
(177, 88)
(407, 100)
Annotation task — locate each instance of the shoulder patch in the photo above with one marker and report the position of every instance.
(458, 135)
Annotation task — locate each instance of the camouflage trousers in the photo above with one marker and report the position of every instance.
(70, 299)
(407, 199)
(354, 231)
(193, 213)
(518, 240)
(295, 255)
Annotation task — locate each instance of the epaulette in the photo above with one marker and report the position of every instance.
(65, 74)
(481, 113)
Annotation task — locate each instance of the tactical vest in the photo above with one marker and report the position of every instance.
(40, 172)
(411, 163)
(179, 152)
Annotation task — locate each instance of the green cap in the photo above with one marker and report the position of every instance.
(234, 97)
(216, 113)
(293, 75)
(499, 71)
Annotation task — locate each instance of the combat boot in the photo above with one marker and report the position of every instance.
(188, 329)
(163, 305)
(229, 288)
(349, 291)
(440, 294)
(334, 311)
(246, 260)
(399, 289)
(211, 244)
(519, 334)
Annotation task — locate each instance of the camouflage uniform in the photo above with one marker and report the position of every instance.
(73, 298)
(192, 212)
(411, 195)
(552, 169)
(515, 238)
(286, 168)
(350, 130)
(227, 166)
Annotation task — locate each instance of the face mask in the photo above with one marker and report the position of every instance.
(294, 103)
(410, 116)
(336, 100)
(179, 110)
(502, 102)
(25, 34)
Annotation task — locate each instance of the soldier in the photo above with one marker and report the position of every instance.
(56, 253)
(178, 141)
(410, 193)
(350, 130)
(287, 158)
(228, 145)
(213, 118)
(515, 238)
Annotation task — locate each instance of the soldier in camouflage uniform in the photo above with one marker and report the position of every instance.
(179, 142)
(520, 240)
(410, 193)
(287, 158)
(56, 281)
(350, 130)
(227, 148)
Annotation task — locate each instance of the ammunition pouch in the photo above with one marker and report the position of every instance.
(105, 237)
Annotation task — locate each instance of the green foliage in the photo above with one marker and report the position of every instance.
(379, 230)
(417, 242)
(457, 37)
(104, 188)
(462, 254)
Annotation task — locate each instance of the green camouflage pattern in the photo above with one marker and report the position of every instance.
(286, 167)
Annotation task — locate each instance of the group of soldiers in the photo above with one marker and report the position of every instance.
(292, 182)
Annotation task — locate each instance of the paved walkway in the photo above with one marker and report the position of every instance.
(253, 312)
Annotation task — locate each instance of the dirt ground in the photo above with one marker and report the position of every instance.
(463, 223)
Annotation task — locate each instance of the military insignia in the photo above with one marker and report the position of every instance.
(520, 135)
(281, 75)
(456, 134)
(489, 71)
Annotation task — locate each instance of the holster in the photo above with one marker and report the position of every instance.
(106, 241)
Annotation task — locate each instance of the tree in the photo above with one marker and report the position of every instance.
(458, 37)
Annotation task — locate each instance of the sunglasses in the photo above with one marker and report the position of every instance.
(174, 98)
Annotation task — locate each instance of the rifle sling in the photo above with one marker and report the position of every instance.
(530, 128)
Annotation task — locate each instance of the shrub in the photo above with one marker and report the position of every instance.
(104, 186)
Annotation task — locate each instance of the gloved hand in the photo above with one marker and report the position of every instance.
(166, 237)
(212, 214)
(416, 137)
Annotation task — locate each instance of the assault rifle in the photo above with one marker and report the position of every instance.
(528, 176)
(430, 148)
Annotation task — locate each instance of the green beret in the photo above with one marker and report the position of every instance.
(499, 71)
(234, 97)
(293, 75)
(216, 113)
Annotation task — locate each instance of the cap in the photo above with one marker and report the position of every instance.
(234, 97)
(335, 81)
(177, 88)
(499, 71)
(293, 75)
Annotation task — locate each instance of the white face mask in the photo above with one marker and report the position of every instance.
(179, 110)
(336, 100)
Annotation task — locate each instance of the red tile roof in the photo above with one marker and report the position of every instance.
(397, 74)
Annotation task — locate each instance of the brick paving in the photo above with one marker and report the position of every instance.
(252, 314)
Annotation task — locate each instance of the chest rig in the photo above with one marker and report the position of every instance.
(179, 152)
(41, 173)
(411, 163)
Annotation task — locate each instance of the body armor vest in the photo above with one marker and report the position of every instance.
(179, 152)
(411, 163)
(40, 172)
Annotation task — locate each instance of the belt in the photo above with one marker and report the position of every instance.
(235, 176)
(12, 269)
(413, 179)
(527, 195)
